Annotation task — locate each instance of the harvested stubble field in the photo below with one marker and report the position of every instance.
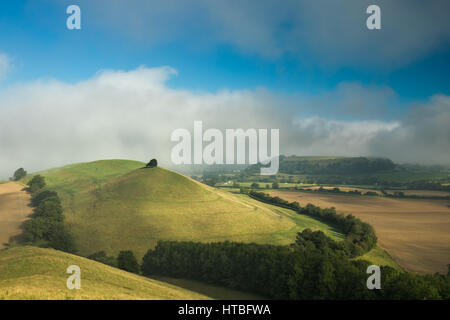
(14, 210)
(415, 232)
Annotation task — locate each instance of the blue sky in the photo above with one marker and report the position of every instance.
(34, 36)
(310, 68)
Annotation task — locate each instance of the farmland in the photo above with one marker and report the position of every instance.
(413, 231)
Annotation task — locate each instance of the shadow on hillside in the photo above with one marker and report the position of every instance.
(20, 238)
(212, 291)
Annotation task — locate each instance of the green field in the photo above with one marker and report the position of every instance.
(380, 257)
(35, 273)
(115, 205)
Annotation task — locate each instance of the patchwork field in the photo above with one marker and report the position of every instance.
(14, 210)
(416, 233)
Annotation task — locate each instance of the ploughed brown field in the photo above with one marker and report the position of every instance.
(14, 210)
(416, 233)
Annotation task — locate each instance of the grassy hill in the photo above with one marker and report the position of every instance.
(115, 205)
(37, 273)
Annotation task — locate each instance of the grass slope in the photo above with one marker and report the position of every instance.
(37, 273)
(380, 257)
(115, 205)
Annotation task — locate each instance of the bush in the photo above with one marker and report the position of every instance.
(37, 229)
(49, 208)
(36, 183)
(19, 174)
(101, 256)
(61, 239)
(153, 163)
(39, 197)
(127, 261)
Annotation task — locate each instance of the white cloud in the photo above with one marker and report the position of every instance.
(423, 137)
(118, 114)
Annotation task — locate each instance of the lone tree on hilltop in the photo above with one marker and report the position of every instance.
(153, 163)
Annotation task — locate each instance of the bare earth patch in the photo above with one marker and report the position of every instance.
(14, 210)
(416, 233)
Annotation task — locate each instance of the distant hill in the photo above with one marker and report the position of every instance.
(115, 205)
(357, 171)
(332, 165)
(37, 273)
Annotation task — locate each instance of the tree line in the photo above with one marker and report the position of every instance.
(46, 227)
(384, 193)
(360, 237)
(126, 260)
(314, 267)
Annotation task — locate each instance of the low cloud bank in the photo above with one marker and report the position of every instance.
(131, 115)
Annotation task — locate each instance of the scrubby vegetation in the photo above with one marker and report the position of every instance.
(46, 227)
(19, 174)
(102, 257)
(36, 183)
(127, 261)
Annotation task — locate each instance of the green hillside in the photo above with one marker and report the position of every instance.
(115, 205)
(37, 273)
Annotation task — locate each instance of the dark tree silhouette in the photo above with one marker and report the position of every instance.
(152, 164)
(127, 261)
(19, 174)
